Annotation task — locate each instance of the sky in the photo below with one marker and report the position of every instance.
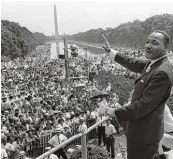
(76, 16)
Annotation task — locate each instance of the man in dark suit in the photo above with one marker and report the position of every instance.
(145, 113)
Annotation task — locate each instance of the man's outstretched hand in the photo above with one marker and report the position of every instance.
(110, 112)
(107, 46)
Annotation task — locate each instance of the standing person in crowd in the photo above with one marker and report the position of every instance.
(110, 141)
(115, 100)
(56, 140)
(82, 125)
(152, 89)
(10, 148)
(3, 149)
(61, 124)
(167, 140)
(101, 130)
(67, 131)
(108, 88)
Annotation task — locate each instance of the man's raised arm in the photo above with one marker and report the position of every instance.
(133, 64)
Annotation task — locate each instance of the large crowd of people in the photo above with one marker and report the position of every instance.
(36, 97)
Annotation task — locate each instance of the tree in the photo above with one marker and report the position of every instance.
(18, 41)
(132, 34)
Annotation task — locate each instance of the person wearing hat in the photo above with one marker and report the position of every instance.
(110, 141)
(57, 140)
(61, 124)
(68, 121)
(82, 126)
(75, 120)
(31, 136)
(22, 155)
(67, 131)
(82, 115)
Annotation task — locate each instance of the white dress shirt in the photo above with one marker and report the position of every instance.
(119, 156)
(82, 128)
(110, 130)
(113, 53)
(10, 147)
(56, 140)
(52, 156)
(168, 120)
(108, 88)
(152, 62)
(3, 154)
(99, 119)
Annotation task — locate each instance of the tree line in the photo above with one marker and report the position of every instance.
(17, 41)
(132, 34)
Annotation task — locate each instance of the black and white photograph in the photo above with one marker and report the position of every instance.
(86, 79)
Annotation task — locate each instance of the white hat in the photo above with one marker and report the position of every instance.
(82, 119)
(44, 111)
(72, 113)
(58, 129)
(22, 153)
(68, 115)
(47, 148)
(65, 126)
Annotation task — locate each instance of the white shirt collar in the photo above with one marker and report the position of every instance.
(153, 61)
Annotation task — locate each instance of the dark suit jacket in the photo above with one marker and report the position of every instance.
(152, 89)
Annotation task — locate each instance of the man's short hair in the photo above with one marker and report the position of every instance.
(166, 37)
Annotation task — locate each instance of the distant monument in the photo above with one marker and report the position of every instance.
(56, 32)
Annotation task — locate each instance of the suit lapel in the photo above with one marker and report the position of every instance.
(143, 72)
(153, 66)
(158, 63)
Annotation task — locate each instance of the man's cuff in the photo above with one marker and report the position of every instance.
(116, 117)
(113, 53)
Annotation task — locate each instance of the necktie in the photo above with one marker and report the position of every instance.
(149, 67)
(101, 123)
(58, 140)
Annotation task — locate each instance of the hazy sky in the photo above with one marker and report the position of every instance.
(78, 16)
